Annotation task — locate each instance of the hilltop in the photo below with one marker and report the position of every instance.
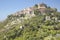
(39, 22)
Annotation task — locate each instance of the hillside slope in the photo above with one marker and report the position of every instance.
(39, 22)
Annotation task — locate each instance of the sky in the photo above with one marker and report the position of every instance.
(8, 7)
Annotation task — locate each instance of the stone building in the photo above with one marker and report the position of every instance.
(42, 7)
(29, 11)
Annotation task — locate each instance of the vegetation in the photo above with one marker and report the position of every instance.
(35, 28)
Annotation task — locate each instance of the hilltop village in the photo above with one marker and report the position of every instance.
(42, 9)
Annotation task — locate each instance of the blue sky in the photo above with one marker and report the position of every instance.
(8, 7)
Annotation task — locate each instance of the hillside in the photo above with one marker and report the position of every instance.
(39, 22)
